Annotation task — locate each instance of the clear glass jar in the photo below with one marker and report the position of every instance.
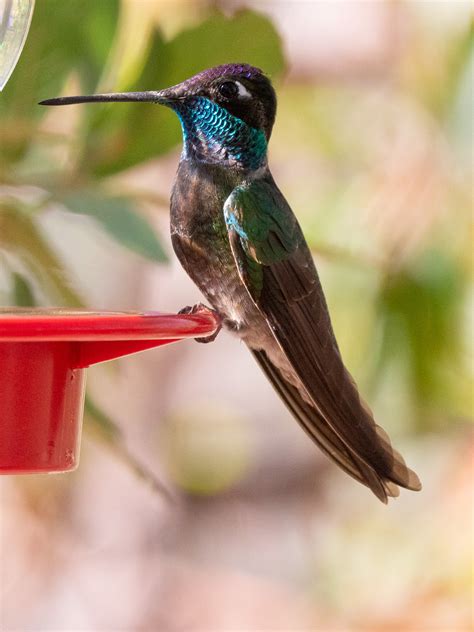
(15, 18)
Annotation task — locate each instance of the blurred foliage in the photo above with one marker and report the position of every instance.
(21, 238)
(420, 310)
(59, 44)
(206, 452)
(22, 291)
(377, 164)
(104, 430)
(120, 137)
(405, 304)
(66, 167)
(399, 156)
(118, 218)
(434, 73)
(106, 140)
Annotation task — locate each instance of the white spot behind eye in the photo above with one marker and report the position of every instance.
(243, 92)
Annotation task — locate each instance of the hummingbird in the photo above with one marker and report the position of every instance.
(238, 239)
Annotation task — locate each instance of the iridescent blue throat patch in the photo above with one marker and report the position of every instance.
(212, 134)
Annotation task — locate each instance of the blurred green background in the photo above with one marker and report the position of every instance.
(373, 149)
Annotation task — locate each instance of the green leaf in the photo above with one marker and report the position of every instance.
(117, 215)
(64, 37)
(104, 429)
(20, 236)
(248, 37)
(123, 135)
(420, 308)
(23, 295)
(101, 425)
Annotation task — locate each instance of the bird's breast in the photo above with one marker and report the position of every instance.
(200, 239)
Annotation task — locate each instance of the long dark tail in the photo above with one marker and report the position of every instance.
(314, 423)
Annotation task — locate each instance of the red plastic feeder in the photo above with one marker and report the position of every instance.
(43, 357)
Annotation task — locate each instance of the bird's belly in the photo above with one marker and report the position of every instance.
(213, 270)
(200, 240)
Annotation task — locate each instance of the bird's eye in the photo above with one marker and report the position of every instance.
(228, 89)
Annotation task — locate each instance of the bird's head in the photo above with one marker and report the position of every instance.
(226, 112)
(242, 90)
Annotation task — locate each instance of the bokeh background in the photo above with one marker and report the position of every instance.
(373, 149)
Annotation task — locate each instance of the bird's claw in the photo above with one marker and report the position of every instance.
(200, 308)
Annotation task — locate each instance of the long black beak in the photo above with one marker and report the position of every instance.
(163, 97)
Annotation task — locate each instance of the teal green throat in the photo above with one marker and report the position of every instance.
(212, 134)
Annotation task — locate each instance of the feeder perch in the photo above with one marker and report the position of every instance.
(44, 354)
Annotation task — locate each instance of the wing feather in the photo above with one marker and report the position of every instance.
(314, 424)
(277, 268)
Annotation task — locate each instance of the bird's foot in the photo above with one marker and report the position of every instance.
(199, 308)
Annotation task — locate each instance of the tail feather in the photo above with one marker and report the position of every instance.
(313, 422)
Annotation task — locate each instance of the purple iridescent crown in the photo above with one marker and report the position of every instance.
(235, 70)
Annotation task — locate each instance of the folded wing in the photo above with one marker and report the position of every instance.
(277, 269)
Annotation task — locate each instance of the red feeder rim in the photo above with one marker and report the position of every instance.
(43, 356)
(27, 324)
